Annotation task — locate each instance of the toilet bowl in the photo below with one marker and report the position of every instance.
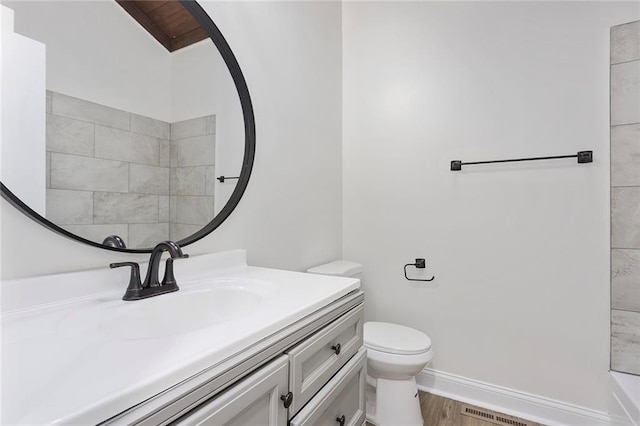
(395, 355)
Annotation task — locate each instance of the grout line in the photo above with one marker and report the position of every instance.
(625, 124)
(625, 62)
(624, 310)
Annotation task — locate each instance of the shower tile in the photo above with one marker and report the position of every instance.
(194, 210)
(124, 208)
(625, 86)
(179, 231)
(625, 42)
(86, 173)
(150, 126)
(69, 207)
(173, 208)
(148, 179)
(126, 146)
(625, 279)
(188, 181)
(98, 233)
(173, 154)
(197, 151)
(163, 208)
(165, 153)
(210, 180)
(210, 124)
(625, 216)
(195, 127)
(71, 107)
(147, 235)
(625, 155)
(48, 170)
(625, 341)
(69, 136)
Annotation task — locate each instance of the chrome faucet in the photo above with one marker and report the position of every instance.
(151, 286)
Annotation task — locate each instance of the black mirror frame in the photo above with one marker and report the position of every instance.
(249, 145)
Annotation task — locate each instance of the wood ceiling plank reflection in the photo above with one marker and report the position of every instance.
(167, 21)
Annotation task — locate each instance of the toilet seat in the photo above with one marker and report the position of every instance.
(395, 339)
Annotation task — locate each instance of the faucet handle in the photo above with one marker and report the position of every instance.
(169, 278)
(135, 285)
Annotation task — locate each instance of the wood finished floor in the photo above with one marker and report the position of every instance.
(440, 411)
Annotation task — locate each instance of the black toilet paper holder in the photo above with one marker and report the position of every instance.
(420, 264)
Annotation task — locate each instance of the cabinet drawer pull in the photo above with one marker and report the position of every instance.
(288, 399)
(337, 348)
(341, 420)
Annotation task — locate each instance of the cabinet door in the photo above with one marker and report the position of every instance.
(254, 401)
(314, 361)
(342, 398)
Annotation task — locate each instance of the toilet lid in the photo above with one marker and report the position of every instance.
(395, 339)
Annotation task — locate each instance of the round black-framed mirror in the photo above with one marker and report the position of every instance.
(233, 67)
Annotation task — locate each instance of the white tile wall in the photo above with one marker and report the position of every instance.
(68, 106)
(625, 155)
(148, 179)
(188, 181)
(195, 151)
(109, 207)
(625, 279)
(147, 235)
(625, 341)
(69, 136)
(150, 126)
(625, 42)
(122, 145)
(625, 198)
(115, 172)
(625, 90)
(69, 207)
(87, 173)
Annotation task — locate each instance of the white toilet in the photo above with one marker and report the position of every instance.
(395, 354)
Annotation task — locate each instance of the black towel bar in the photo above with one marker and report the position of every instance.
(582, 156)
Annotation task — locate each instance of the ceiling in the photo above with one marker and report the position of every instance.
(167, 21)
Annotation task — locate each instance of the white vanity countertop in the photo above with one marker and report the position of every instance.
(74, 360)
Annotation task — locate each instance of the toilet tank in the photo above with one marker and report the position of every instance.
(338, 268)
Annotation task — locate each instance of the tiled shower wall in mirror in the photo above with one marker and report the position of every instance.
(114, 172)
(625, 198)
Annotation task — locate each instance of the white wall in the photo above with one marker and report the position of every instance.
(520, 252)
(97, 52)
(22, 118)
(290, 216)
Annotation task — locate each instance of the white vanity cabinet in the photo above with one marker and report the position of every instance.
(314, 361)
(341, 402)
(253, 401)
(316, 380)
(223, 350)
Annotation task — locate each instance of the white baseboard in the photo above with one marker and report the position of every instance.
(515, 403)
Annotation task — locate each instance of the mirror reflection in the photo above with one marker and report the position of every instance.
(136, 128)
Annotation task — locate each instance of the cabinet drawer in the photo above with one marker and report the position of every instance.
(342, 396)
(254, 401)
(314, 361)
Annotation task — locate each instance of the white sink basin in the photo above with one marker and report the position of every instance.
(195, 307)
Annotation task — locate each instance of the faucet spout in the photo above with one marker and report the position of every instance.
(174, 250)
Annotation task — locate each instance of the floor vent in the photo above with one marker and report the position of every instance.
(489, 416)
